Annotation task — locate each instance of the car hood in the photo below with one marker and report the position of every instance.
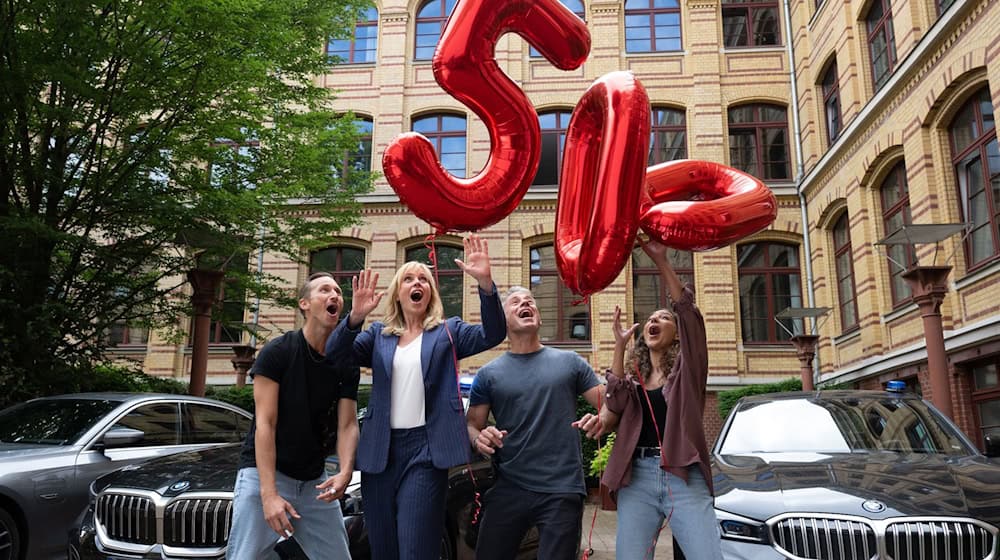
(211, 469)
(764, 485)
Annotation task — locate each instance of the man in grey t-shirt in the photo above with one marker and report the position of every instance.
(532, 392)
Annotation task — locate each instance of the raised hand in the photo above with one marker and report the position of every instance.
(365, 296)
(477, 260)
(622, 335)
(656, 250)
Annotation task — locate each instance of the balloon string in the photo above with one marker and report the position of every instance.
(477, 504)
(593, 521)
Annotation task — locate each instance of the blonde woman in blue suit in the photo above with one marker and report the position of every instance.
(414, 429)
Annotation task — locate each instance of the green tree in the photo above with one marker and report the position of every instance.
(132, 130)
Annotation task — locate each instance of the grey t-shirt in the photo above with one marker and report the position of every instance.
(533, 397)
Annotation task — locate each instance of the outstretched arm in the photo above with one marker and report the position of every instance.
(658, 252)
(477, 262)
(364, 297)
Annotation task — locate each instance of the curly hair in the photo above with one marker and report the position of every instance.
(640, 357)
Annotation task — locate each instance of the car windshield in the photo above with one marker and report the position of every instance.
(840, 425)
(52, 421)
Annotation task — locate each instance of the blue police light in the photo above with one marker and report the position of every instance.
(895, 386)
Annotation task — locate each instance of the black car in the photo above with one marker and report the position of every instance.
(181, 507)
(837, 475)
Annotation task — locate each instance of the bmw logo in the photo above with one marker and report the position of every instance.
(873, 506)
(180, 486)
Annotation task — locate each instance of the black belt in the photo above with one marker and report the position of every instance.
(643, 452)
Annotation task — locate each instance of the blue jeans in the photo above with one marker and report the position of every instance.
(319, 530)
(651, 496)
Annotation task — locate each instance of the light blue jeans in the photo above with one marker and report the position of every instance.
(652, 496)
(320, 530)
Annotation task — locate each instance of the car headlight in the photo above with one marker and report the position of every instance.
(737, 527)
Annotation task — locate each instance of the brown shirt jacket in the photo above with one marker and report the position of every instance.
(684, 434)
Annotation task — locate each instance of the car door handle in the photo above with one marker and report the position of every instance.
(52, 496)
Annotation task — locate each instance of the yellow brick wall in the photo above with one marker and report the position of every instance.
(705, 79)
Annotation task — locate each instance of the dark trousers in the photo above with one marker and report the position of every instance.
(508, 513)
(404, 504)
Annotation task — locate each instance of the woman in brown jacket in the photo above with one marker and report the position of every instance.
(659, 466)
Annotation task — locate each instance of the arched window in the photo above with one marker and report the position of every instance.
(554, 125)
(362, 46)
(844, 264)
(575, 6)
(831, 101)
(895, 196)
(431, 18)
(652, 26)
(750, 23)
(451, 284)
(447, 135)
(758, 141)
(667, 136)
(977, 171)
(648, 291)
(561, 320)
(881, 42)
(343, 262)
(770, 281)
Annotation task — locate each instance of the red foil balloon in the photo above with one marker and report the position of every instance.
(465, 67)
(601, 184)
(700, 205)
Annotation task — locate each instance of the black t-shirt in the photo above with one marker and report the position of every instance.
(309, 389)
(648, 436)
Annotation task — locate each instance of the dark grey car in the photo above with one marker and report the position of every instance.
(52, 448)
(840, 475)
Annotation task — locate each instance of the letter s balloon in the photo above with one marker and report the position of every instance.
(465, 67)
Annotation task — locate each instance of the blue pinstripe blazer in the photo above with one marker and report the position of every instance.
(446, 429)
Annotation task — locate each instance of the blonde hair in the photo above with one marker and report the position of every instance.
(395, 323)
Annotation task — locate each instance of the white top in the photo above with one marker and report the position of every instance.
(407, 401)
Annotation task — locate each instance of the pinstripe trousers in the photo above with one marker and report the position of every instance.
(404, 504)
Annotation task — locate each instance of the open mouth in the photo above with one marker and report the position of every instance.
(524, 313)
(416, 296)
(332, 309)
(654, 331)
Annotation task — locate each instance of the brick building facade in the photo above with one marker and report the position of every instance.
(861, 117)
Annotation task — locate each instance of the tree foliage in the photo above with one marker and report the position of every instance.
(135, 134)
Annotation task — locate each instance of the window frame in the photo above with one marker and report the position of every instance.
(759, 126)
(830, 87)
(896, 179)
(650, 11)
(769, 273)
(448, 273)
(658, 132)
(441, 19)
(842, 246)
(749, 8)
(684, 273)
(437, 136)
(881, 27)
(351, 43)
(980, 396)
(340, 274)
(564, 323)
(977, 147)
(560, 131)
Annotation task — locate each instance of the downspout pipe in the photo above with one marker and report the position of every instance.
(800, 172)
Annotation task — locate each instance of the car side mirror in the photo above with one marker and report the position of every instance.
(992, 442)
(122, 437)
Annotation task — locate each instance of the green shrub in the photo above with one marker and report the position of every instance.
(118, 378)
(236, 396)
(600, 460)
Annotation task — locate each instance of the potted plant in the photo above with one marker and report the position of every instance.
(597, 466)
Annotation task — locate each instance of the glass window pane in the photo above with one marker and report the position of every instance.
(159, 422)
(211, 424)
(986, 376)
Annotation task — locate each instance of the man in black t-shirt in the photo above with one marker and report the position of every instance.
(282, 488)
